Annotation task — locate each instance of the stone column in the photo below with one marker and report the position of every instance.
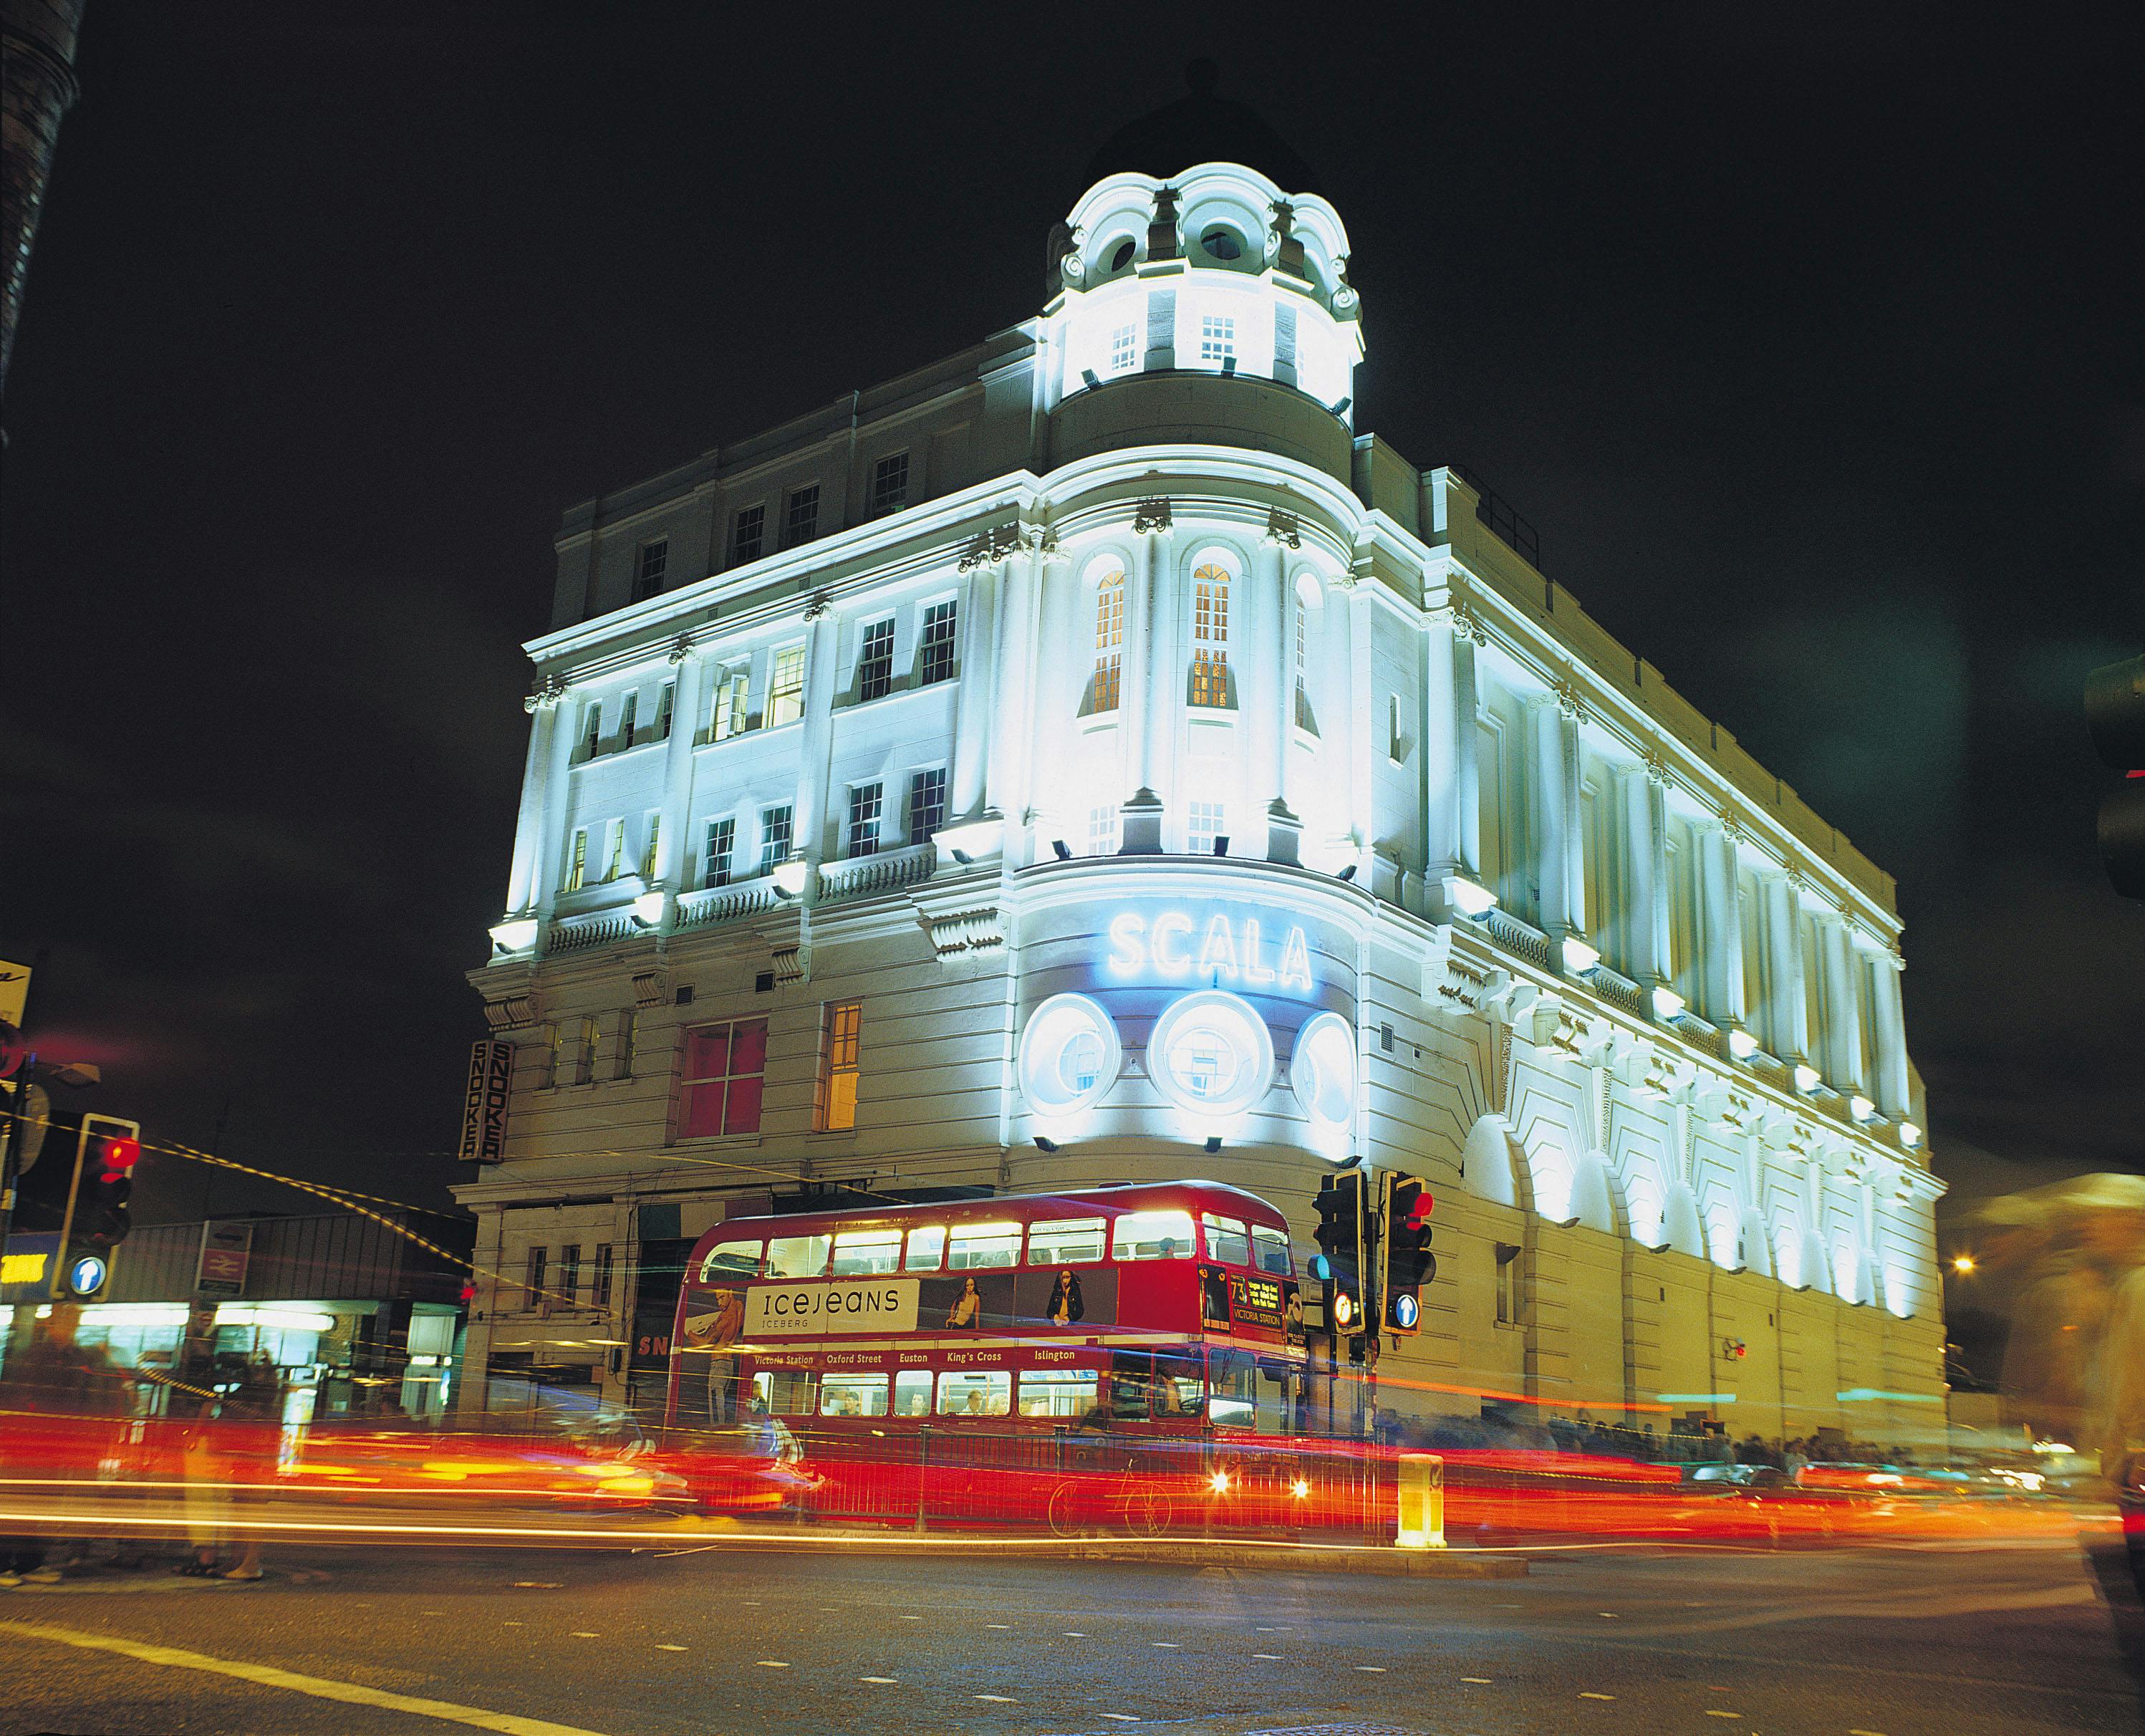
(1270, 680)
(808, 824)
(1553, 743)
(1843, 1008)
(1789, 1035)
(1467, 638)
(1720, 923)
(1006, 780)
(972, 709)
(1645, 843)
(521, 882)
(1363, 728)
(1161, 678)
(1437, 774)
(670, 852)
(1893, 1093)
(550, 842)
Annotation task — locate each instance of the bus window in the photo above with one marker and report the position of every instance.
(1131, 1372)
(1154, 1235)
(1226, 1241)
(1065, 1242)
(972, 1248)
(1179, 1387)
(911, 1392)
(786, 1391)
(1234, 1375)
(927, 1249)
(1272, 1245)
(975, 1392)
(853, 1395)
(860, 1253)
(731, 1260)
(1056, 1391)
(797, 1257)
(1214, 1297)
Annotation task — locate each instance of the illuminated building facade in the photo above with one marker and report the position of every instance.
(1090, 760)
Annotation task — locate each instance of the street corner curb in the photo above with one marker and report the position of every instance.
(1399, 1563)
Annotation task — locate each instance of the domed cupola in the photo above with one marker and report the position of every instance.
(1212, 306)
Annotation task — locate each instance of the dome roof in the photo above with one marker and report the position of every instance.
(1202, 127)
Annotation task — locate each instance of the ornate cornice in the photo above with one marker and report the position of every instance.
(816, 605)
(549, 691)
(990, 548)
(681, 648)
(1150, 516)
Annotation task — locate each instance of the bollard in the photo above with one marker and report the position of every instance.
(1421, 1502)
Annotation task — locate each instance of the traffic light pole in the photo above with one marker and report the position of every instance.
(61, 1262)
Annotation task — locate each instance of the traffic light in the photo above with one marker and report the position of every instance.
(2115, 710)
(1409, 1262)
(1339, 1265)
(115, 1161)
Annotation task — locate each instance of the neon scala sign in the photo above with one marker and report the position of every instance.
(1172, 946)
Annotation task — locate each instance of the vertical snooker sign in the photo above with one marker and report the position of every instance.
(484, 1103)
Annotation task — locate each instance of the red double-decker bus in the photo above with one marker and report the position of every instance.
(1162, 1308)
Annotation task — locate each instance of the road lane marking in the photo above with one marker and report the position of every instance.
(1120, 1717)
(1267, 1657)
(1865, 1732)
(1371, 1669)
(1478, 1681)
(1710, 1713)
(1165, 1645)
(662, 1647)
(1597, 1696)
(771, 1663)
(1003, 1627)
(1070, 1634)
(583, 1633)
(508, 1724)
(881, 1681)
(998, 1699)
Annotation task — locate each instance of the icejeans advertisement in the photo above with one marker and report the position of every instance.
(804, 1310)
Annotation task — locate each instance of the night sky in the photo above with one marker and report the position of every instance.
(1810, 342)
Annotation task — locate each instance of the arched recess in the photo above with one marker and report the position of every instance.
(1214, 595)
(1681, 1229)
(1490, 1161)
(1100, 625)
(1592, 1204)
(1308, 619)
(1813, 1269)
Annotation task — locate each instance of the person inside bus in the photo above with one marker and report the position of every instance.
(975, 1406)
(1065, 1304)
(967, 1307)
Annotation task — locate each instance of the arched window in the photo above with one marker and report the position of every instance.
(1109, 640)
(1210, 635)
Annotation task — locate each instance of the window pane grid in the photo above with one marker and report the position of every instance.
(875, 661)
(773, 839)
(1218, 337)
(840, 1041)
(1109, 641)
(785, 694)
(1123, 349)
(927, 804)
(801, 523)
(890, 482)
(938, 648)
(655, 561)
(866, 801)
(722, 1074)
(749, 535)
(722, 844)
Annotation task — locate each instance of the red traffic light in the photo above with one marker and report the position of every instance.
(121, 1155)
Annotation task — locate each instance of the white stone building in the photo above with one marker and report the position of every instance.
(1089, 760)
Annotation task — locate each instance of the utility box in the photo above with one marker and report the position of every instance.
(1421, 1502)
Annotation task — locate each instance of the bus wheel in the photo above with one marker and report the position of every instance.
(1146, 1513)
(1065, 1510)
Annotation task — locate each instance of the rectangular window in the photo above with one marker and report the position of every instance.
(570, 1272)
(773, 839)
(654, 560)
(666, 700)
(840, 1037)
(980, 1247)
(875, 661)
(798, 1257)
(732, 704)
(585, 1059)
(866, 1253)
(853, 1395)
(927, 803)
(629, 1039)
(629, 720)
(1124, 349)
(1151, 1236)
(1066, 1241)
(1303, 714)
(731, 1260)
(785, 691)
(1056, 1391)
(1210, 678)
(1210, 636)
(577, 872)
(1103, 828)
(648, 850)
(1218, 337)
(1209, 821)
(890, 483)
(927, 1249)
(554, 1046)
(601, 1277)
(614, 856)
(911, 1392)
(1508, 1266)
(801, 522)
(787, 1391)
(592, 732)
(1228, 1241)
(748, 535)
(725, 1069)
(866, 801)
(715, 861)
(1272, 1245)
(935, 661)
(534, 1288)
(1109, 640)
(975, 1392)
